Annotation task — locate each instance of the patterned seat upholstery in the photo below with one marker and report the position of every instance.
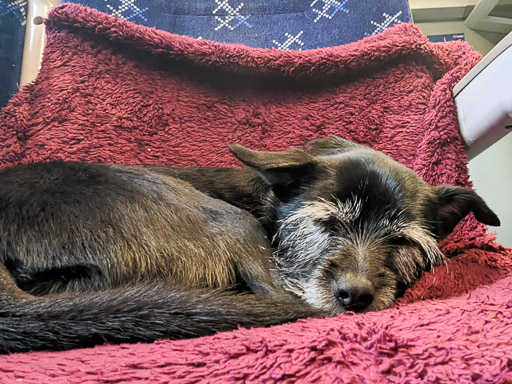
(13, 18)
(292, 24)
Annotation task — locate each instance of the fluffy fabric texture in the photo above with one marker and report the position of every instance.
(112, 91)
(461, 340)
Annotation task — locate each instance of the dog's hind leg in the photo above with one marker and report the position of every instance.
(257, 278)
(9, 290)
(80, 277)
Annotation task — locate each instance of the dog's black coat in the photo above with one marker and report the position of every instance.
(96, 252)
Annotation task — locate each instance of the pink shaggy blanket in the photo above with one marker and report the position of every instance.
(112, 91)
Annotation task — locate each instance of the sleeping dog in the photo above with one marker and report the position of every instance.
(93, 253)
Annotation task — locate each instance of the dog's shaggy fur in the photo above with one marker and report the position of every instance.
(96, 252)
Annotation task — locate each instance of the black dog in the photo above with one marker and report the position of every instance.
(101, 252)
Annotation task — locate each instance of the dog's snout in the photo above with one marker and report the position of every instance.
(355, 294)
(355, 298)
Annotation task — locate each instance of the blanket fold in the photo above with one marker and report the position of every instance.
(112, 91)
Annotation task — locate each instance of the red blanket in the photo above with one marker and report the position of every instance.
(112, 91)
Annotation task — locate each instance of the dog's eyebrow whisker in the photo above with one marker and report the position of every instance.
(428, 244)
(350, 209)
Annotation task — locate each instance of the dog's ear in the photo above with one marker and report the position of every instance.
(329, 144)
(451, 204)
(284, 171)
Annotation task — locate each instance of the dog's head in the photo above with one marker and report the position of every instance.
(353, 224)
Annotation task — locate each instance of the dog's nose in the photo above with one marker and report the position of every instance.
(355, 296)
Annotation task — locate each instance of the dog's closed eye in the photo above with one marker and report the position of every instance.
(330, 223)
(398, 241)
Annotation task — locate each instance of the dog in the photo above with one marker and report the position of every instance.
(94, 252)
